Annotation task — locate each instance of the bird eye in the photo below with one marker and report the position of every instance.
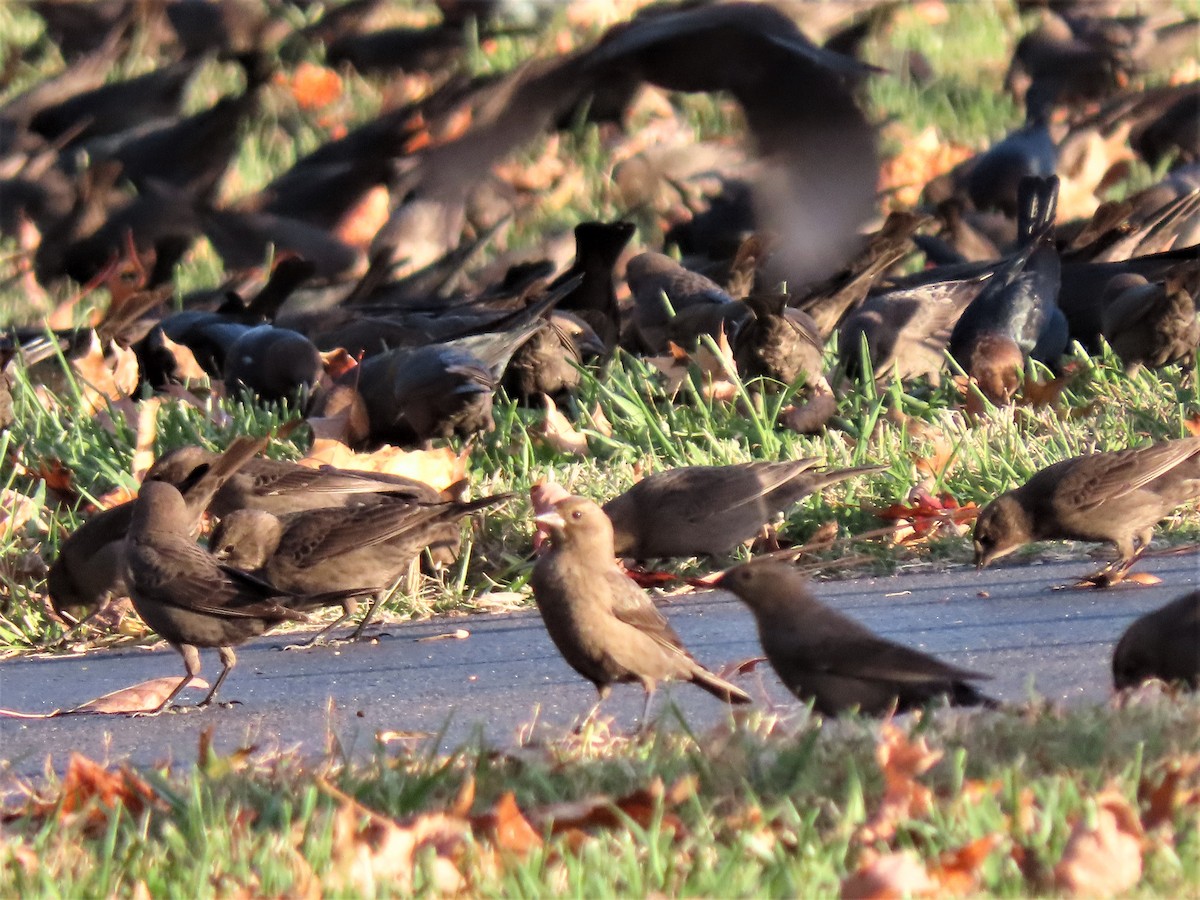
(577, 514)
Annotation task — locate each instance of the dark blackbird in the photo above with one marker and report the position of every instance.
(319, 550)
(90, 567)
(601, 622)
(273, 363)
(1150, 324)
(1117, 497)
(777, 342)
(709, 510)
(676, 304)
(834, 661)
(280, 487)
(1162, 644)
(598, 246)
(1016, 314)
(190, 599)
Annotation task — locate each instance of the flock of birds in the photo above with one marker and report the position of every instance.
(117, 185)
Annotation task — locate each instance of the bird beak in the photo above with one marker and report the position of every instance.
(981, 559)
(550, 520)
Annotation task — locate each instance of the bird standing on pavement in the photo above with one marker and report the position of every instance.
(834, 661)
(189, 599)
(1117, 497)
(601, 622)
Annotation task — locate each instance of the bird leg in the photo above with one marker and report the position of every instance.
(349, 608)
(603, 690)
(366, 619)
(228, 660)
(1114, 573)
(191, 665)
(649, 687)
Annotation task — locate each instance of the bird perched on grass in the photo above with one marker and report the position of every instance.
(601, 622)
(321, 550)
(709, 510)
(189, 599)
(1162, 644)
(1117, 497)
(834, 661)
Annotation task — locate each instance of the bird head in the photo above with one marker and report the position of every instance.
(181, 467)
(997, 365)
(1002, 527)
(767, 582)
(159, 508)
(579, 523)
(245, 538)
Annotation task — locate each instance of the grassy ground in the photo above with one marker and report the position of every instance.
(776, 808)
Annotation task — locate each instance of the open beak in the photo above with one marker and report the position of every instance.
(550, 520)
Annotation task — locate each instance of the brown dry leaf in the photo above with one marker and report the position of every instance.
(142, 697)
(717, 371)
(901, 760)
(101, 380)
(372, 853)
(957, 871)
(811, 417)
(438, 468)
(1037, 394)
(1192, 424)
(537, 176)
(889, 875)
(507, 827)
(924, 157)
(1160, 798)
(144, 435)
(89, 792)
(17, 510)
(343, 416)
(1143, 578)
(557, 432)
(186, 366)
(600, 423)
(1104, 859)
(359, 225)
(606, 814)
(338, 362)
(935, 465)
(312, 86)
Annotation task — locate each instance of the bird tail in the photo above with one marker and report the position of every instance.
(718, 687)
(964, 694)
(306, 603)
(826, 478)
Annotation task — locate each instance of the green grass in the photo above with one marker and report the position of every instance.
(777, 809)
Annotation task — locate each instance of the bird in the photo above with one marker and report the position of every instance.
(778, 343)
(90, 566)
(1150, 323)
(603, 624)
(673, 303)
(834, 661)
(1016, 313)
(190, 600)
(709, 510)
(1116, 496)
(280, 487)
(1164, 643)
(321, 550)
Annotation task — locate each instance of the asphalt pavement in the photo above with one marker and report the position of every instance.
(1009, 622)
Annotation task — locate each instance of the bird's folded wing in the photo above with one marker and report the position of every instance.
(875, 659)
(1127, 470)
(634, 608)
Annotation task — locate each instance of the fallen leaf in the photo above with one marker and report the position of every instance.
(100, 379)
(745, 667)
(889, 875)
(458, 634)
(438, 468)
(924, 157)
(1161, 797)
(359, 225)
(557, 432)
(716, 370)
(1143, 578)
(926, 517)
(186, 367)
(89, 793)
(507, 827)
(338, 362)
(312, 86)
(17, 510)
(372, 854)
(901, 760)
(143, 697)
(1103, 859)
(606, 814)
(958, 871)
(812, 416)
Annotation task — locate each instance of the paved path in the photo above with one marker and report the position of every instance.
(1028, 636)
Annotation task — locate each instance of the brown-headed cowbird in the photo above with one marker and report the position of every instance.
(676, 304)
(709, 510)
(1161, 644)
(601, 622)
(90, 567)
(280, 487)
(188, 598)
(777, 342)
(1016, 314)
(834, 661)
(1117, 497)
(322, 550)
(1150, 324)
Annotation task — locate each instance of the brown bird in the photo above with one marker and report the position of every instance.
(833, 660)
(601, 622)
(709, 510)
(322, 550)
(1117, 497)
(1151, 324)
(1161, 644)
(188, 598)
(280, 487)
(90, 567)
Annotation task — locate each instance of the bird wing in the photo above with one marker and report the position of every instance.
(631, 605)
(876, 659)
(1110, 476)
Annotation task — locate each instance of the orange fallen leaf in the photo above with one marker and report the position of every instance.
(901, 760)
(102, 379)
(312, 86)
(606, 814)
(337, 362)
(924, 157)
(438, 468)
(186, 367)
(17, 510)
(1192, 424)
(812, 416)
(958, 871)
(1143, 578)
(926, 516)
(889, 875)
(507, 827)
(1161, 797)
(89, 793)
(1103, 859)
(359, 225)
